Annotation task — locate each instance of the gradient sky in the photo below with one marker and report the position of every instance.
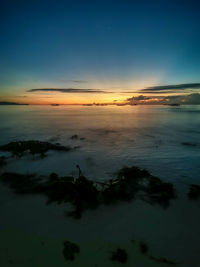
(116, 47)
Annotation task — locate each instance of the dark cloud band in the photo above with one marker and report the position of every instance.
(159, 89)
(178, 99)
(67, 90)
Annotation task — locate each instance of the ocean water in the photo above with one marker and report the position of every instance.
(147, 136)
(152, 137)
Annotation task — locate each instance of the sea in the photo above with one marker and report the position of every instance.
(163, 139)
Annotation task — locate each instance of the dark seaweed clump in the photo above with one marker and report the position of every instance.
(194, 192)
(2, 161)
(132, 181)
(81, 192)
(32, 147)
(159, 192)
(22, 183)
(119, 255)
(84, 194)
(144, 248)
(70, 250)
(125, 186)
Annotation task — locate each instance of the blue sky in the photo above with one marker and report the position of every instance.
(107, 45)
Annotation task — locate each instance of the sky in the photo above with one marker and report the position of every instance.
(75, 51)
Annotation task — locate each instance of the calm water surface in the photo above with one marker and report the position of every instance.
(147, 136)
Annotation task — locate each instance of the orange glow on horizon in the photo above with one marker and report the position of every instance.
(79, 99)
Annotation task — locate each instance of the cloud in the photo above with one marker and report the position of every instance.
(176, 87)
(67, 90)
(140, 97)
(184, 99)
(79, 81)
(175, 99)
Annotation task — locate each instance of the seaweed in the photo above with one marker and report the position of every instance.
(132, 173)
(2, 161)
(84, 194)
(160, 192)
(70, 250)
(119, 255)
(194, 192)
(131, 181)
(144, 248)
(32, 147)
(125, 186)
(22, 183)
(58, 189)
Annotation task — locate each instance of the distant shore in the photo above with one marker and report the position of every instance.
(3, 103)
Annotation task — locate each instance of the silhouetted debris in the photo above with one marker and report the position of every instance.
(119, 255)
(84, 194)
(194, 192)
(188, 144)
(2, 161)
(163, 260)
(144, 248)
(70, 250)
(32, 147)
